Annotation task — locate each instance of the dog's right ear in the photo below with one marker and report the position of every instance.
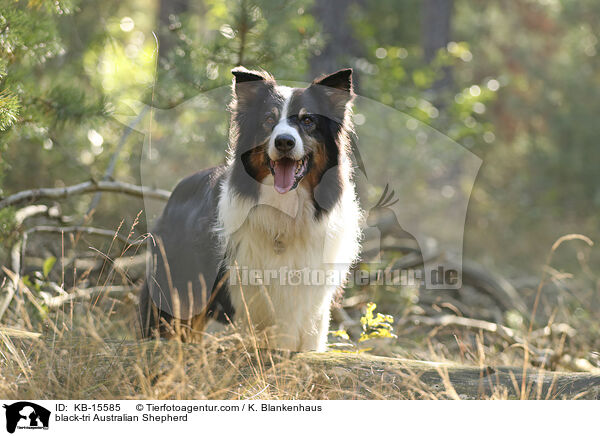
(242, 74)
(246, 83)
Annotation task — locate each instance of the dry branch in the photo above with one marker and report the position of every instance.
(459, 321)
(541, 357)
(94, 231)
(85, 188)
(88, 293)
(115, 156)
(15, 254)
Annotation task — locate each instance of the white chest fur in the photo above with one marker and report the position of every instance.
(299, 260)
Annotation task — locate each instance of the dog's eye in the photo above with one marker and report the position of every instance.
(270, 119)
(307, 120)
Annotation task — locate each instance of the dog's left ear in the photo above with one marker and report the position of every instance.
(337, 87)
(341, 80)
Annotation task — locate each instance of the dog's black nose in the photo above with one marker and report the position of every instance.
(284, 143)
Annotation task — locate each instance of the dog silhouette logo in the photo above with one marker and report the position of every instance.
(26, 415)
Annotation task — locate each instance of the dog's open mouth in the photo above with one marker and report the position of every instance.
(287, 173)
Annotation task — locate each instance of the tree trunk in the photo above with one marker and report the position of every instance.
(436, 31)
(167, 9)
(339, 42)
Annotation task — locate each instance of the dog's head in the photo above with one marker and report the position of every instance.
(290, 137)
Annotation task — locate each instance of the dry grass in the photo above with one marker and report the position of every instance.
(226, 367)
(80, 363)
(88, 350)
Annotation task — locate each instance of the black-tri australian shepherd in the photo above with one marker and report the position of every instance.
(266, 240)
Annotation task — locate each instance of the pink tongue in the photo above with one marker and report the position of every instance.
(284, 170)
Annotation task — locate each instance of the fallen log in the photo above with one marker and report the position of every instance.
(453, 380)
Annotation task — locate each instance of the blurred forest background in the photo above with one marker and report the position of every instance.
(516, 82)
